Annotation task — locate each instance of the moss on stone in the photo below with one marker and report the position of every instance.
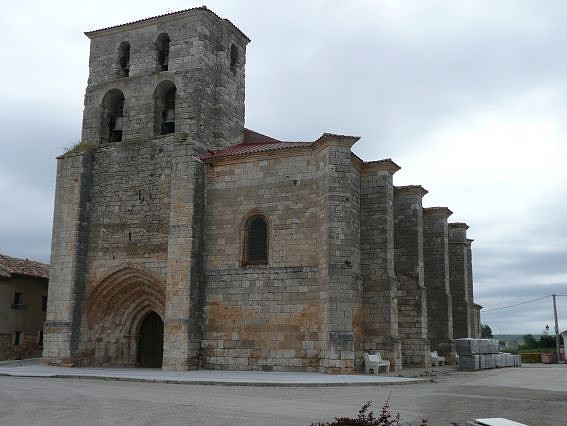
(79, 148)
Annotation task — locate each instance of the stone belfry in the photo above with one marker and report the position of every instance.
(178, 73)
(128, 219)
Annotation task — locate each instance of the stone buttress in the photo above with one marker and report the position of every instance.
(436, 275)
(459, 280)
(412, 300)
(379, 322)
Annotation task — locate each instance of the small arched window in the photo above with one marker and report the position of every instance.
(124, 59)
(256, 241)
(233, 58)
(112, 116)
(162, 44)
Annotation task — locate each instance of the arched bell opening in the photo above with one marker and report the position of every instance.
(112, 116)
(164, 96)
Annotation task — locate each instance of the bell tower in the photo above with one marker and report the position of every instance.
(129, 201)
(177, 73)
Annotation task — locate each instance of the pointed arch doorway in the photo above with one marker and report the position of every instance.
(150, 341)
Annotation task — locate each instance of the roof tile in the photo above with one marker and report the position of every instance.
(13, 266)
(253, 142)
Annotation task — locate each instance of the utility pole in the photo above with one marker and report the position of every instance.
(556, 329)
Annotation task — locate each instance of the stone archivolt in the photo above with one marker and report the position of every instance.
(123, 296)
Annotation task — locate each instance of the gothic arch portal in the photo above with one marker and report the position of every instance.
(116, 308)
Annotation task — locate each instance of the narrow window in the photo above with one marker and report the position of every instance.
(40, 338)
(233, 58)
(44, 303)
(256, 241)
(112, 116)
(165, 108)
(124, 59)
(17, 338)
(17, 304)
(163, 51)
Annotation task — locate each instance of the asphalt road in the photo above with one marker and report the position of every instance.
(534, 396)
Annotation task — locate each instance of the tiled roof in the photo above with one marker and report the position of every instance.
(13, 266)
(154, 18)
(253, 142)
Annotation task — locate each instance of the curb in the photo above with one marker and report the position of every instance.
(216, 383)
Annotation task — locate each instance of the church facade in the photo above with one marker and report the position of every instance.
(183, 240)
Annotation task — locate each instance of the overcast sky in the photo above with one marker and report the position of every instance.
(468, 97)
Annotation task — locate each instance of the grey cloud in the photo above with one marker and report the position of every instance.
(315, 67)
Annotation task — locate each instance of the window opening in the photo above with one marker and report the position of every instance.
(233, 58)
(17, 338)
(44, 303)
(163, 42)
(17, 303)
(124, 59)
(256, 241)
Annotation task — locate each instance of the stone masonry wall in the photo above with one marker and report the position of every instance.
(143, 218)
(412, 301)
(472, 317)
(210, 93)
(342, 276)
(264, 316)
(28, 348)
(185, 276)
(378, 323)
(458, 276)
(68, 257)
(27, 319)
(436, 274)
(143, 225)
(128, 224)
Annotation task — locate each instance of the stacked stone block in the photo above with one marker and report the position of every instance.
(412, 301)
(482, 354)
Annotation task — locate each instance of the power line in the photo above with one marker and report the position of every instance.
(517, 304)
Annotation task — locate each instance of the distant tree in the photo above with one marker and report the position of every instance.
(530, 342)
(485, 331)
(546, 342)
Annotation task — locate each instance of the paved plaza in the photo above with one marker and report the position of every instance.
(204, 377)
(534, 395)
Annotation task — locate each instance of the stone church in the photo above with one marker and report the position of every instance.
(183, 240)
